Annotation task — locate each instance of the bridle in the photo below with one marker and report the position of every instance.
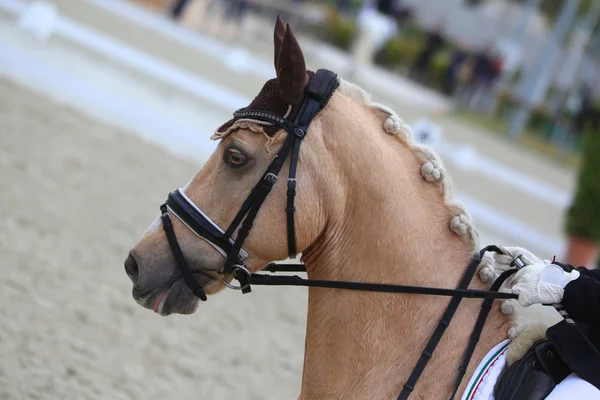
(318, 92)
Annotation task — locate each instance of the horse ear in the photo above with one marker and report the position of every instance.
(278, 39)
(291, 69)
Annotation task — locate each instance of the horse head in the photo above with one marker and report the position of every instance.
(247, 147)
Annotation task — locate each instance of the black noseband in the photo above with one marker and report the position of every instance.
(199, 223)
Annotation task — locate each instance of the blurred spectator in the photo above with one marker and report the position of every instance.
(482, 74)
(386, 7)
(178, 8)
(235, 9)
(224, 18)
(487, 68)
(497, 66)
(465, 83)
(377, 23)
(583, 108)
(343, 6)
(457, 61)
(488, 97)
(434, 42)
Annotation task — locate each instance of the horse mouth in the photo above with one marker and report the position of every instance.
(175, 298)
(159, 301)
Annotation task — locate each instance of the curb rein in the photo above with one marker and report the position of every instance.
(318, 92)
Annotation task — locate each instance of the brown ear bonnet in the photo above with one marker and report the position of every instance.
(283, 95)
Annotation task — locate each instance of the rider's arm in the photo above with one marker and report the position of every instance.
(592, 273)
(582, 296)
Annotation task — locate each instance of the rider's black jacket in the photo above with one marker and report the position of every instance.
(579, 345)
(582, 300)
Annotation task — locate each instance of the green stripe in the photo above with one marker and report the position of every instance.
(485, 368)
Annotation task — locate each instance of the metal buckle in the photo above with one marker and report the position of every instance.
(270, 179)
(518, 262)
(238, 267)
(270, 175)
(291, 186)
(164, 210)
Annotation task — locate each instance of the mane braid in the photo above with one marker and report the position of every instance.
(432, 168)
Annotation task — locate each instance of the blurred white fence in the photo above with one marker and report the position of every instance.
(159, 70)
(126, 55)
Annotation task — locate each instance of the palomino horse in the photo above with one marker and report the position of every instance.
(371, 206)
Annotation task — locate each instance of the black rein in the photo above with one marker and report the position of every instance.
(457, 295)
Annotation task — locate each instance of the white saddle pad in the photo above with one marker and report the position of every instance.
(481, 384)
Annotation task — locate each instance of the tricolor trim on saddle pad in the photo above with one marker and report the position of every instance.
(481, 385)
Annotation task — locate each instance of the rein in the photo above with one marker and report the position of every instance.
(318, 92)
(294, 280)
(457, 295)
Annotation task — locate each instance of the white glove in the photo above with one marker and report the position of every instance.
(492, 267)
(541, 284)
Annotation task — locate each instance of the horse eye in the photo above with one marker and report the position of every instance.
(234, 158)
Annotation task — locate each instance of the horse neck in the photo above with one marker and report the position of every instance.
(389, 226)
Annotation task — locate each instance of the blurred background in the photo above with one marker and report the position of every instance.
(107, 105)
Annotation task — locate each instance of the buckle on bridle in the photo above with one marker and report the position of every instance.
(163, 210)
(518, 262)
(270, 178)
(299, 132)
(244, 279)
(270, 175)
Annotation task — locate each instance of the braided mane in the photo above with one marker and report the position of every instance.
(432, 168)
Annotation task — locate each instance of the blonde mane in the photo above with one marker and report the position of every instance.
(432, 168)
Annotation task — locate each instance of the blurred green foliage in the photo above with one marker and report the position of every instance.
(583, 216)
(398, 52)
(339, 30)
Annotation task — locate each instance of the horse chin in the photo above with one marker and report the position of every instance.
(178, 298)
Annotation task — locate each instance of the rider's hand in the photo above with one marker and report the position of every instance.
(541, 284)
(493, 266)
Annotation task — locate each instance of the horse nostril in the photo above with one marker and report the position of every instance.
(131, 268)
